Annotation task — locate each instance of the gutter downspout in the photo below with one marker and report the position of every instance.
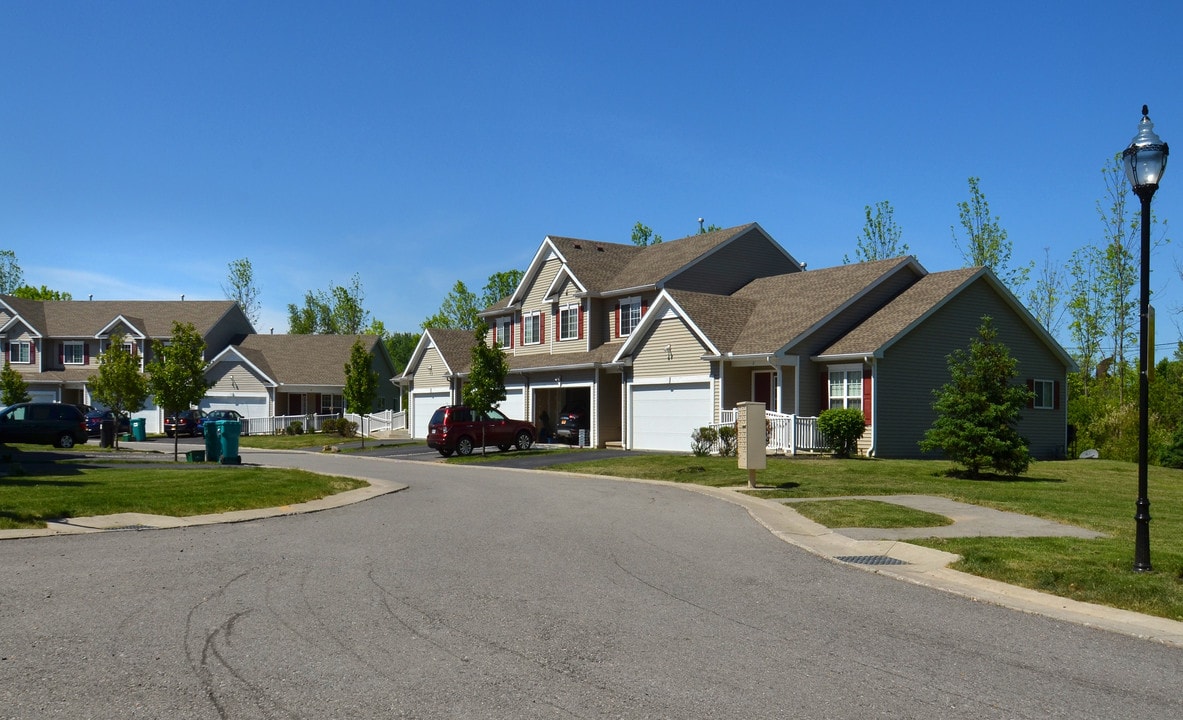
(874, 404)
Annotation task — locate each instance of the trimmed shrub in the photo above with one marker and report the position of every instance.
(295, 428)
(841, 428)
(703, 440)
(727, 440)
(340, 426)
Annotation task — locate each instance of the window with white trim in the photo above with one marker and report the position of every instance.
(73, 353)
(569, 322)
(331, 404)
(846, 388)
(1045, 394)
(531, 328)
(503, 332)
(19, 351)
(630, 315)
(129, 348)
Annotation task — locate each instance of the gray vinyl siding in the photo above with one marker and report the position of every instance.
(742, 260)
(234, 323)
(916, 365)
(231, 378)
(683, 359)
(853, 315)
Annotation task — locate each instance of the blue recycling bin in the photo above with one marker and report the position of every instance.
(137, 430)
(229, 430)
(213, 444)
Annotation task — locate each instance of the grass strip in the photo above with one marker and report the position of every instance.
(867, 514)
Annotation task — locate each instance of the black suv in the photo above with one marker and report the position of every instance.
(43, 423)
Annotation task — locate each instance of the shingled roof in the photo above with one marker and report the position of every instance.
(894, 318)
(303, 359)
(86, 318)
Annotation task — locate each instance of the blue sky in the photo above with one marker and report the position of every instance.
(145, 145)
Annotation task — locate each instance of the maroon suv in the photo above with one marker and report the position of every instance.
(457, 429)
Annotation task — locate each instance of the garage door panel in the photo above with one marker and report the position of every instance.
(664, 416)
(514, 404)
(422, 407)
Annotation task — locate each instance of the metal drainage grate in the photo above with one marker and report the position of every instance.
(871, 560)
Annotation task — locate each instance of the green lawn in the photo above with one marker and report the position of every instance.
(1095, 494)
(30, 496)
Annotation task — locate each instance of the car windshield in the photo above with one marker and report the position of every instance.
(495, 414)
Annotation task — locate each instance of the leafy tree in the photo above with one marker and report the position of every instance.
(29, 292)
(486, 378)
(458, 311)
(240, 287)
(401, 345)
(11, 275)
(643, 235)
(119, 383)
(13, 388)
(986, 242)
(978, 409)
(1086, 308)
(881, 235)
(339, 311)
(1045, 298)
(176, 373)
(361, 382)
(500, 285)
(842, 428)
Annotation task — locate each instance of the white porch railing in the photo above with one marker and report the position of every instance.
(789, 434)
(379, 422)
(279, 424)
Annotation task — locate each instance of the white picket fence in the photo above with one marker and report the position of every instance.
(368, 425)
(789, 434)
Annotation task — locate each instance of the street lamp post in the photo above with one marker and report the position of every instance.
(1144, 160)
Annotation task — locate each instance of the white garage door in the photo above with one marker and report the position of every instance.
(663, 416)
(248, 407)
(514, 404)
(422, 406)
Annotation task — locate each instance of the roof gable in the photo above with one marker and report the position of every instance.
(306, 359)
(454, 346)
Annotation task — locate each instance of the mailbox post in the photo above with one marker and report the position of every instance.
(751, 439)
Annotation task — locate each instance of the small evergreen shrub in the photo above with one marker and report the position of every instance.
(841, 428)
(295, 428)
(702, 441)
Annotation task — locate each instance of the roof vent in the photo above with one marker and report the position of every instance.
(599, 248)
(577, 246)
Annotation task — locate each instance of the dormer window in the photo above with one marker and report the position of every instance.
(503, 332)
(569, 322)
(531, 328)
(19, 351)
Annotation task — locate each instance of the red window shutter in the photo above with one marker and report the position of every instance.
(61, 353)
(825, 398)
(510, 333)
(33, 352)
(558, 323)
(617, 313)
(85, 353)
(523, 330)
(644, 307)
(1056, 400)
(1031, 389)
(867, 395)
(580, 311)
(541, 326)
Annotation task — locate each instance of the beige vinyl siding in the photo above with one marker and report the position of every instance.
(231, 378)
(534, 302)
(431, 372)
(607, 320)
(742, 260)
(683, 358)
(916, 365)
(566, 296)
(20, 333)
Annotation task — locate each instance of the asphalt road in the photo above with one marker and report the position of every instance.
(482, 592)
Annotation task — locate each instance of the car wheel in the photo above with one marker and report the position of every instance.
(504, 448)
(445, 453)
(464, 446)
(66, 441)
(523, 440)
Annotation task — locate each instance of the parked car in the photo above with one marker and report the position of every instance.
(457, 428)
(186, 422)
(43, 423)
(569, 425)
(95, 418)
(215, 415)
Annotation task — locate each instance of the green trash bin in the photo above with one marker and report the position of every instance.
(213, 444)
(229, 432)
(137, 430)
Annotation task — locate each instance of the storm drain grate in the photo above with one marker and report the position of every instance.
(871, 560)
(132, 527)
